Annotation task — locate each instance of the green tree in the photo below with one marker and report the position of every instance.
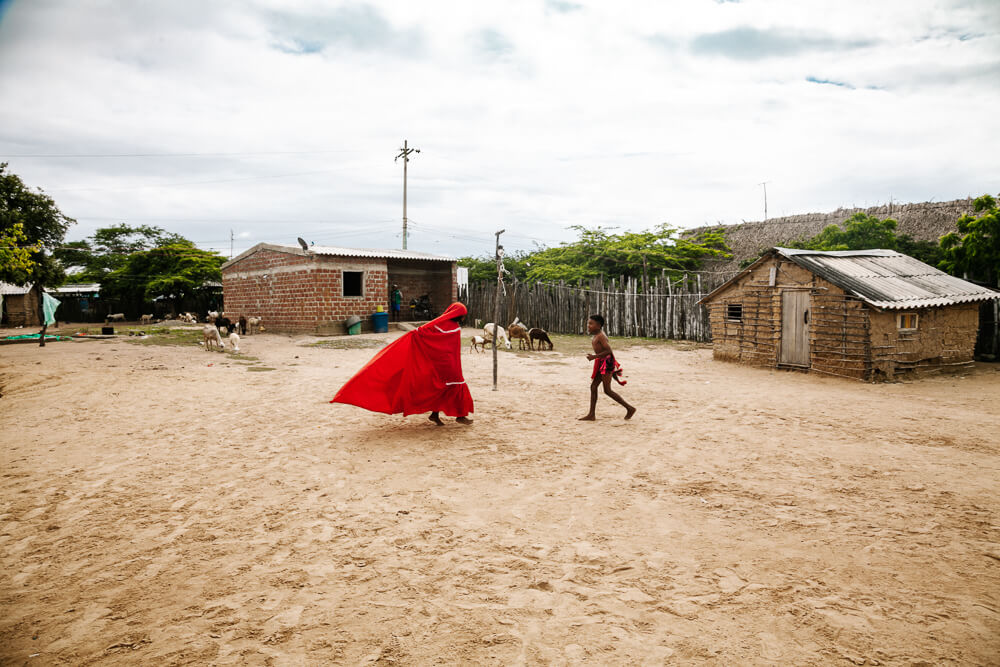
(974, 250)
(15, 257)
(866, 232)
(40, 222)
(860, 232)
(599, 252)
(176, 270)
(108, 249)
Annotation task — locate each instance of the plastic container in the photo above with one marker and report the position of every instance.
(107, 331)
(353, 324)
(380, 321)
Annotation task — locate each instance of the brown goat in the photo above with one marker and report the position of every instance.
(541, 336)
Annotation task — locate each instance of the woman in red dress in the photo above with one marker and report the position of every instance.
(419, 372)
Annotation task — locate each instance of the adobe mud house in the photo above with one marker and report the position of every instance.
(866, 314)
(19, 306)
(315, 290)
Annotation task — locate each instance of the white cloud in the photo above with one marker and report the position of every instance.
(282, 118)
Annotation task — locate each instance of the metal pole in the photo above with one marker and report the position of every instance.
(496, 307)
(404, 153)
(406, 161)
(765, 199)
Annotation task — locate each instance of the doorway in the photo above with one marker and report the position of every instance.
(794, 329)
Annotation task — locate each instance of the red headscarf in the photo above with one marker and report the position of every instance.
(419, 372)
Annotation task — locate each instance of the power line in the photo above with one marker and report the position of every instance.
(158, 155)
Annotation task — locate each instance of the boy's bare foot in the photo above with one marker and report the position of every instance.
(437, 420)
(464, 420)
(629, 413)
(587, 418)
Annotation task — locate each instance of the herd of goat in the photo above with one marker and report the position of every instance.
(218, 326)
(525, 336)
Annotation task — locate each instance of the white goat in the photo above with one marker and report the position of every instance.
(253, 324)
(212, 337)
(115, 317)
(146, 319)
(501, 334)
(234, 341)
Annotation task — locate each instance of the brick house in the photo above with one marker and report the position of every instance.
(866, 314)
(315, 290)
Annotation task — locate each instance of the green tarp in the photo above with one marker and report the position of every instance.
(49, 305)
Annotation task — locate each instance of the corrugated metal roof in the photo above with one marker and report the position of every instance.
(888, 279)
(336, 251)
(7, 289)
(377, 253)
(74, 288)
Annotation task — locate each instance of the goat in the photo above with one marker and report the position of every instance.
(478, 343)
(146, 319)
(223, 323)
(520, 332)
(501, 334)
(234, 341)
(242, 326)
(212, 316)
(541, 336)
(212, 337)
(115, 317)
(253, 324)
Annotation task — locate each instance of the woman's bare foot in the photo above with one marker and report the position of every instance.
(629, 413)
(437, 420)
(587, 418)
(464, 420)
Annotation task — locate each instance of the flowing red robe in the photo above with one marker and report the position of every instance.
(419, 372)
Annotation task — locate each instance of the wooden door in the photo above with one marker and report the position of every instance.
(794, 329)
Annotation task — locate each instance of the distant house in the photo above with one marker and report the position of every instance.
(866, 314)
(80, 302)
(19, 306)
(315, 290)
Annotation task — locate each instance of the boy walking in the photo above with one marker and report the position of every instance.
(605, 368)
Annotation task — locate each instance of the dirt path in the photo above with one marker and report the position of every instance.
(165, 505)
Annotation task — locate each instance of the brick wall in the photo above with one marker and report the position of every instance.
(302, 292)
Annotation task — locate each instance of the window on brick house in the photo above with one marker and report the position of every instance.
(906, 321)
(353, 282)
(734, 312)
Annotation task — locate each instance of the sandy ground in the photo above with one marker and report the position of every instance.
(166, 505)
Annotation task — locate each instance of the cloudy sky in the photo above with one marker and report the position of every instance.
(272, 119)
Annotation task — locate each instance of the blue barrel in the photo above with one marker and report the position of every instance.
(380, 322)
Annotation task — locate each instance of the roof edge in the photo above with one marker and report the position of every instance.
(711, 295)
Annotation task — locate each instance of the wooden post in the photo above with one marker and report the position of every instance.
(496, 307)
(41, 315)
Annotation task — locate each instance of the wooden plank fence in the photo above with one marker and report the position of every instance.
(665, 309)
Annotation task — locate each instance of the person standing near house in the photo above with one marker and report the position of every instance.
(605, 368)
(419, 372)
(395, 302)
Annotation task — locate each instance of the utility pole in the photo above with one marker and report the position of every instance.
(765, 198)
(230, 243)
(496, 309)
(404, 153)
